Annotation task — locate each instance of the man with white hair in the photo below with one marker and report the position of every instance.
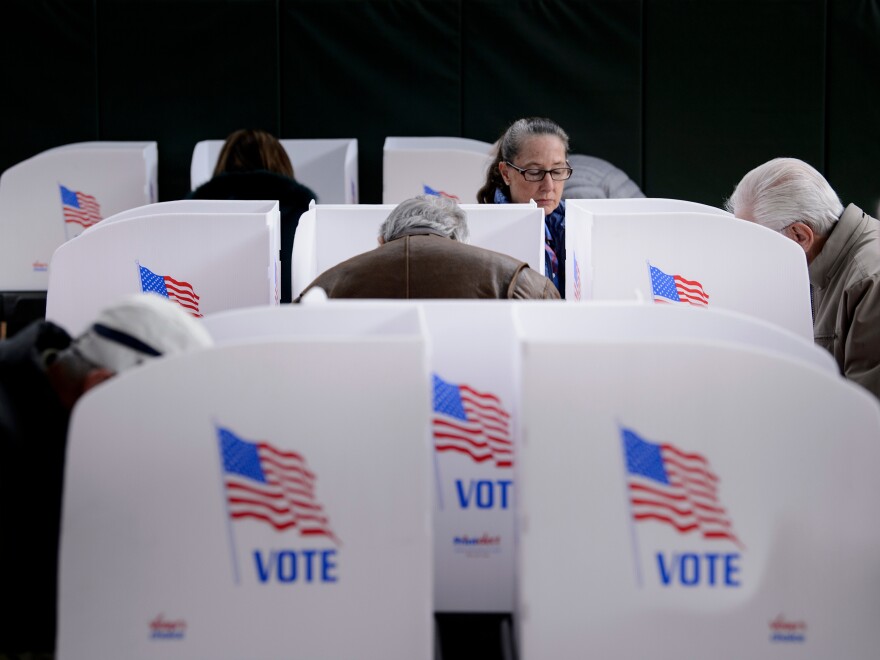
(422, 254)
(43, 373)
(842, 247)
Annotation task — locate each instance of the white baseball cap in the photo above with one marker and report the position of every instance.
(140, 327)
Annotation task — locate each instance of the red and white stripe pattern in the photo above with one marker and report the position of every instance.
(577, 278)
(675, 288)
(79, 208)
(275, 487)
(681, 492)
(184, 294)
(471, 422)
(177, 290)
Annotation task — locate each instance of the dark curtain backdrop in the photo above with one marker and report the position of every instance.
(684, 95)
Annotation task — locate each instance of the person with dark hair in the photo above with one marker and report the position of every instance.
(842, 248)
(531, 163)
(43, 373)
(422, 254)
(254, 165)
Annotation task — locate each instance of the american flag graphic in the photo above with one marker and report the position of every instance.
(472, 423)
(271, 485)
(79, 208)
(674, 488)
(577, 278)
(675, 288)
(439, 193)
(177, 290)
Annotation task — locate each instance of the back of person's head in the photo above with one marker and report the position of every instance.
(248, 150)
(139, 328)
(439, 215)
(508, 147)
(783, 191)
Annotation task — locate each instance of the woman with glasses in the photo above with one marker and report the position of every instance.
(531, 163)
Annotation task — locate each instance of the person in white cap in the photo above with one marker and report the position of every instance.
(43, 373)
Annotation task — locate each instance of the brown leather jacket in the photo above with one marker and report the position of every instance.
(432, 266)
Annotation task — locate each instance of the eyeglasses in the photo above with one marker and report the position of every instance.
(534, 175)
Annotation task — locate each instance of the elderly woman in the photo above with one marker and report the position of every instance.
(531, 163)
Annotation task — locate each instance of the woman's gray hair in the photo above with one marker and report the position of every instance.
(437, 214)
(510, 144)
(783, 191)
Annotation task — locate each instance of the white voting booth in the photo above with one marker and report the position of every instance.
(474, 423)
(453, 167)
(205, 255)
(329, 167)
(55, 195)
(691, 258)
(691, 499)
(647, 205)
(278, 508)
(476, 420)
(329, 234)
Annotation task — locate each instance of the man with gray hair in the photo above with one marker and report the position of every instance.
(842, 248)
(422, 254)
(43, 373)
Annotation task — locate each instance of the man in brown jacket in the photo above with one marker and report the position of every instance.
(843, 256)
(422, 254)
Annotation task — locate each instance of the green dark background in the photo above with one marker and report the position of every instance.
(683, 95)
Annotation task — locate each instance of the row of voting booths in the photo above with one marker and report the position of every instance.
(665, 451)
(330, 474)
(55, 195)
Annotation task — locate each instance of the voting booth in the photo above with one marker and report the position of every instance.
(448, 166)
(280, 507)
(328, 167)
(646, 205)
(685, 258)
(329, 234)
(473, 424)
(691, 499)
(216, 255)
(55, 195)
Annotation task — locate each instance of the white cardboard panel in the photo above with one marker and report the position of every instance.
(327, 167)
(186, 206)
(793, 450)
(154, 565)
(228, 260)
(455, 167)
(644, 205)
(329, 234)
(118, 175)
(604, 321)
(741, 266)
(472, 352)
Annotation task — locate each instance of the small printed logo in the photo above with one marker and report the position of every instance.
(160, 628)
(783, 630)
(477, 546)
(40, 266)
